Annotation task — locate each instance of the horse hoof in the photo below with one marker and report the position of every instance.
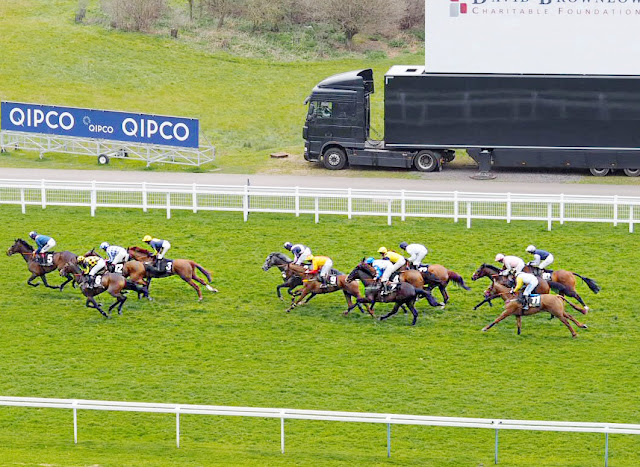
(483, 330)
(584, 326)
(586, 310)
(442, 305)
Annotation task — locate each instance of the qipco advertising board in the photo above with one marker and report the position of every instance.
(100, 124)
(592, 37)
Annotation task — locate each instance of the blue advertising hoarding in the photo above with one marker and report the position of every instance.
(100, 124)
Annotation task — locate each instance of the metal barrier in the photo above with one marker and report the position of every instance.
(105, 149)
(294, 414)
(348, 202)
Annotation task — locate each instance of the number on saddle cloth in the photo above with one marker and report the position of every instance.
(423, 268)
(117, 268)
(333, 280)
(97, 282)
(535, 300)
(546, 276)
(168, 266)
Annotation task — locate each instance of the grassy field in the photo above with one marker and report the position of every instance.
(239, 347)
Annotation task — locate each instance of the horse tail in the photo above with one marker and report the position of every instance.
(202, 270)
(457, 279)
(595, 288)
(575, 307)
(558, 287)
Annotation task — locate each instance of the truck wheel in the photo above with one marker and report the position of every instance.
(103, 159)
(426, 161)
(599, 172)
(632, 172)
(334, 159)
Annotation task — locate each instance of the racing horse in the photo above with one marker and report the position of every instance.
(290, 281)
(436, 275)
(110, 282)
(553, 304)
(185, 268)
(312, 286)
(404, 294)
(568, 279)
(38, 270)
(133, 270)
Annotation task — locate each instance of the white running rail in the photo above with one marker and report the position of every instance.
(293, 414)
(399, 204)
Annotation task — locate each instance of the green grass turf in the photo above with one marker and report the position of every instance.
(240, 348)
(247, 107)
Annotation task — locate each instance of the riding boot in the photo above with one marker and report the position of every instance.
(323, 281)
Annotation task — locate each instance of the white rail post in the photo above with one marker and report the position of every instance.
(93, 197)
(194, 200)
(631, 216)
(615, 210)
(282, 431)
(75, 422)
(389, 212)
(144, 197)
(43, 195)
(178, 426)
(561, 208)
(456, 208)
(549, 214)
(388, 437)
(297, 201)
(606, 448)
(317, 211)
(403, 206)
(245, 203)
(495, 451)
(24, 207)
(468, 214)
(509, 208)
(168, 205)
(349, 205)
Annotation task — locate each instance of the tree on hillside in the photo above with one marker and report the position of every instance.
(354, 16)
(134, 16)
(220, 9)
(413, 15)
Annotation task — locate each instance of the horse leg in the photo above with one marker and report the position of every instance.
(195, 286)
(91, 303)
(46, 284)
(561, 317)
(295, 302)
(29, 281)
(578, 323)
(414, 311)
(202, 281)
(519, 323)
(574, 294)
(445, 294)
(395, 309)
(504, 315)
(311, 295)
(69, 278)
(278, 293)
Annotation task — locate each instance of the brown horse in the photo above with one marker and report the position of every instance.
(110, 282)
(568, 279)
(553, 304)
(38, 270)
(312, 286)
(133, 270)
(185, 268)
(436, 275)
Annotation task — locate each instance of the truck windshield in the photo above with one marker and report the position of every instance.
(320, 109)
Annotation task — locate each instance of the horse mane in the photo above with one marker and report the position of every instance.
(137, 249)
(490, 266)
(281, 256)
(24, 244)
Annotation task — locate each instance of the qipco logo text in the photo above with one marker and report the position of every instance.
(105, 129)
(36, 118)
(147, 128)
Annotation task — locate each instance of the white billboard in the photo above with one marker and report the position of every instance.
(599, 37)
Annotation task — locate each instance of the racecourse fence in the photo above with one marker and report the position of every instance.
(293, 414)
(398, 204)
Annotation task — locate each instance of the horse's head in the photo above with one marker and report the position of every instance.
(485, 270)
(362, 270)
(275, 259)
(69, 268)
(19, 246)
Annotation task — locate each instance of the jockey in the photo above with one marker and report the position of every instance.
(323, 262)
(115, 254)
(380, 265)
(300, 252)
(397, 261)
(417, 252)
(512, 264)
(44, 243)
(160, 247)
(541, 258)
(531, 282)
(91, 266)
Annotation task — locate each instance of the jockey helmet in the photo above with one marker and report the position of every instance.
(404, 245)
(369, 260)
(310, 258)
(531, 249)
(287, 246)
(147, 238)
(104, 245)
(80, 259)
(33, 234)
(382, 250)
(499, 257)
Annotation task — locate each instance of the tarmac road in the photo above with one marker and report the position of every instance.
(448, 180)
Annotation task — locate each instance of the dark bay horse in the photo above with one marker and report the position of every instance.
(290, 281)
(110, 282)
(553, 304)
(37, 270)
(184, 268)
(312, 287)
(134, 271)
(568, 279)
(439, 276)
(404, 294)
